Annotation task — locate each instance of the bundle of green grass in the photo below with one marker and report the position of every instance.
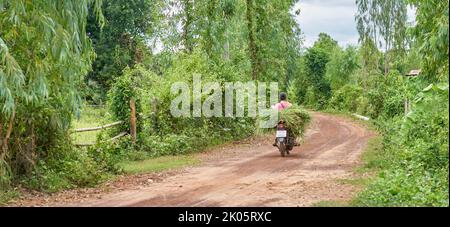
(295, 119)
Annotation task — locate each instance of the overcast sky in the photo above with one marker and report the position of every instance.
(334, 17)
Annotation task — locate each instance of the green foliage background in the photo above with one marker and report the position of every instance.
(57, 55)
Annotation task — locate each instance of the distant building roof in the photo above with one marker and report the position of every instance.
(414, 72)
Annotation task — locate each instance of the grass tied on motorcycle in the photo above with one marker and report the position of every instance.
(291, 124)
(294, 118)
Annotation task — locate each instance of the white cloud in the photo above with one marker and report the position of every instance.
(334, 17)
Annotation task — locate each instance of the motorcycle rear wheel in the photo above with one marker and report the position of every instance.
(282, 149)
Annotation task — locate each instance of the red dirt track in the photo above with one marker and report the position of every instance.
(253, 174)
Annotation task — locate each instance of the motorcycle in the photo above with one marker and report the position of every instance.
(284, 141)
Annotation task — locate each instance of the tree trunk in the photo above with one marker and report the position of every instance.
(226, 47)
(26, 158)
(386, 70)
(406, 106)
(133, 120)
(386, 57)
(187, 7)
(1, 134)
(209, 36)
(251, 40)
(8, 133)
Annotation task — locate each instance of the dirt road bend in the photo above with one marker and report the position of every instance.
(253, 173)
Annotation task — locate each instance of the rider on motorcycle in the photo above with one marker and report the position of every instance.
(283, 104)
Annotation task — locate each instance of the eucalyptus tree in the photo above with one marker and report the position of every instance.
(314, 63)
(432, 34)
(383, 21)
(44, 54)
(121, 41)
(273, 39)
(218, 27)
(340, 68)
(369, 59)
(252, 48)
(188, 24)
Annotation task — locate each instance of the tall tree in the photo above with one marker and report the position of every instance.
(386, 20)
(370, 56)
(209, 39)
(432, 33)
(315, 60)
(120, 43)
(228, 12)
(341, 66)
(252, 49)
(44, 54)
(277, 40)
(188, 21)
(265, 33)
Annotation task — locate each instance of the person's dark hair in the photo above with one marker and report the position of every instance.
(283, 96)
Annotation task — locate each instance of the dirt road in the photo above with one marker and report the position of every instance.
(254, 173)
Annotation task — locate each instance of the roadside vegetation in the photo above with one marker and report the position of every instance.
(105, 53)
(411, 112)
(158, 164)
(108, 52)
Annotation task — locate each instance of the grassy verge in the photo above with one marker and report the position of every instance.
(368, 124)
(68, 168)
(6, 196)
(330, 203)
(372, 156)
(158, 164)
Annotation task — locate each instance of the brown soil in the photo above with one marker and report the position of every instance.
(249, 173)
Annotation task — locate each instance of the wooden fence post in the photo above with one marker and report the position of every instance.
(406, 104)
(154, 114)
(154, 103)
(133, 120)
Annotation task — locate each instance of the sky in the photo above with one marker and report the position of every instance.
(334, 17)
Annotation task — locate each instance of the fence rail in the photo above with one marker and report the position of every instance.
(122, 134)
(118, 136)
(98, 127)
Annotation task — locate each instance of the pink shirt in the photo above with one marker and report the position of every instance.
(282, 105)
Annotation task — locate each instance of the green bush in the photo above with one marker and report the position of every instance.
(414, 164)
(416, 173)
(383, 98)
(386, 95)
(63, 169)
(310, 97)
(169, 144)
(402, 187)
(108, 154)
(347, 98)
(134, 83)
(159, 132)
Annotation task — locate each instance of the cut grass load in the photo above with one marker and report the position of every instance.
(295, 119)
